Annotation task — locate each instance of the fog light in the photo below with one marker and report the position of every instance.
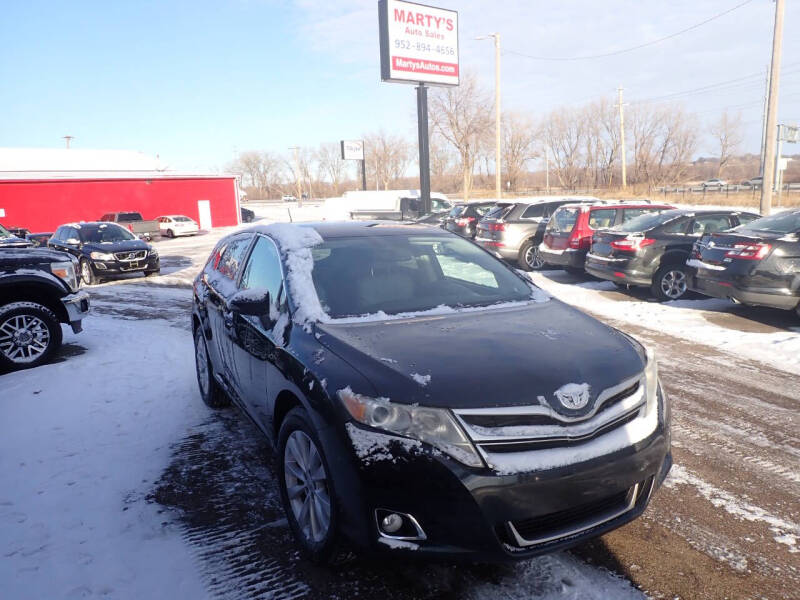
(391, 523)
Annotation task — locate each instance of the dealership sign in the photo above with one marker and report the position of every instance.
(419, 44)
(352, 149)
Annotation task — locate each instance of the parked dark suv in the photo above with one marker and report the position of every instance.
(463, 218)
(514, 230)
(652, 250)
(348, 344)
(105, 250)
(757, 263)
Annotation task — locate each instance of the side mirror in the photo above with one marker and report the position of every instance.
(254, 302)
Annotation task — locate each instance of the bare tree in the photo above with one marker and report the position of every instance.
(462, 116)
(388, 157)
(329, 159)
(262, 172)
(664, 139)
(727, 132)
(518, 146)
(565, 136)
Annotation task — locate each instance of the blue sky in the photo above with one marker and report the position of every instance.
(195, 82)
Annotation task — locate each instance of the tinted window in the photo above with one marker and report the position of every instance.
(632, 213)
(784, 222)
(747, 217)
(499, 211)
(602, 218)
(563, 220)
(263, 269)
(397, 274)
(456, 211)
(128, 217)
(710, 224)
(232, 257)
(534, 210)
(648, 221)
(676, 226)
(99, 234)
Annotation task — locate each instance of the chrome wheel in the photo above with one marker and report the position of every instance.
(23, 338)
(307, 486)
(86, 272)
(533, 257)
(201, 362)
(673, 284)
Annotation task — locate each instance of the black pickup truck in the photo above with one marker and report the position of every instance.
(39, 290)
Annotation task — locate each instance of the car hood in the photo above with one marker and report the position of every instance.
(125, 246)
(494, 357)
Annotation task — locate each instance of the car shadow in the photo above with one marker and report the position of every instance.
(221, 487)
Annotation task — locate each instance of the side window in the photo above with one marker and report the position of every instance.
(746, 218)
(70, 233)
(632, 213)
(263, 269)
(602, 218)
(676, 226)
(710, 224)
(533, 211)
(232, 257)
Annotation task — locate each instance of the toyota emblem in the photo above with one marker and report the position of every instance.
(573, 396)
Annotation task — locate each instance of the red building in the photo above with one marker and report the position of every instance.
(42, 189)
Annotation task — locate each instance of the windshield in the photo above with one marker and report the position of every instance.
(409, 273)
(648, 221)
(106, 233)
(785, 222)
(563, 220)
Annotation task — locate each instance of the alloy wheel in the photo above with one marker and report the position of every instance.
(533, 258)
(307, 486)
(86, 272)
(201, 361)
(673, 284)
(23, 338)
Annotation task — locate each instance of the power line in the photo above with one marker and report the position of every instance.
(632, 48)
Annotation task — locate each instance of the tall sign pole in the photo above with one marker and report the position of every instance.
(419, 45)
(772, 111)
(354, 150)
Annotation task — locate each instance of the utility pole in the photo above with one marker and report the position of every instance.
(498, 178)
(764, 122)
(772, 110)
(68, 139)
(298, 186)
(622, 139)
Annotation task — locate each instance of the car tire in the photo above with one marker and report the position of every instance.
(670, 283)
(210, 391)
(530, 259)
(27, 328)
(87, 273)
(304, 472)
(170, 233)
(150, 273)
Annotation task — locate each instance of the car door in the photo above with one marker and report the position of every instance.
(257, 340)
(220, 280)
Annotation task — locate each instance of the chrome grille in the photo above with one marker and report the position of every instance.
(520, 428)
(131, 255)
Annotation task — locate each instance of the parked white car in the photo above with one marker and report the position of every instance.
(175, 225)
(715, 183)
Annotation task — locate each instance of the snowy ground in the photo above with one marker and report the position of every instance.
(117, 482)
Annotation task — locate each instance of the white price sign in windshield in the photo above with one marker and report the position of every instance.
(419, 43)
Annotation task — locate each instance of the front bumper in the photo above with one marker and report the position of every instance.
(77, 307)
(569, 257)
(617, 269)
(478, 514)
(107, 268)
(719, 288)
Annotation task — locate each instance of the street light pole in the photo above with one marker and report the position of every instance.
(498, 177)
(772, 111)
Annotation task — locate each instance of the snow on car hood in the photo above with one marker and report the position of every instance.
(502, 357)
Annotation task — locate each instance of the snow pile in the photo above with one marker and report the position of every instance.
(371, 446)
(398, 544)
(423, 380)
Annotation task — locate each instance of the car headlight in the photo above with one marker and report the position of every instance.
(651, 378)
(434, 426)
(153, 252)
(101, 256)
(66, 272)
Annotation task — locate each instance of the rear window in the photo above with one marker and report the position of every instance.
(602, 218)
(785, 222)
(648, 221)
(479, 210)
(128, 217)
(533, 211)
(500, 211)
(456, 211)
(632, 213)
(563, 220)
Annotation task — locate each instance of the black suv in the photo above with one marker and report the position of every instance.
(514, 230)
(463, 217)
(757, 263)
(38, 292)
(652, 250)
(347, 344)
(105, 250)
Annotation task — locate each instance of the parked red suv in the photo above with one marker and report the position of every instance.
(568, 235)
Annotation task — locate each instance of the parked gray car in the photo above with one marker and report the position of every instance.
(514, 230)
